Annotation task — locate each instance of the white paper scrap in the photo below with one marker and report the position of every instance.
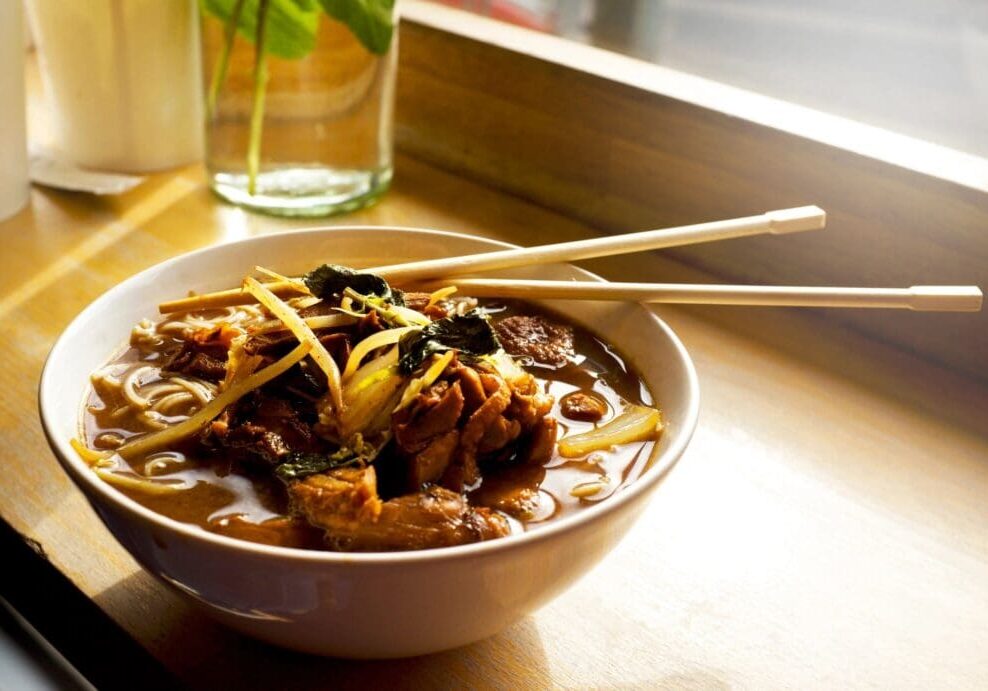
(47, 170)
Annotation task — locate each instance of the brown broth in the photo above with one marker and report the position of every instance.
(254, 507)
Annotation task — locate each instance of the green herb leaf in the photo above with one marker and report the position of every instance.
(371, 21)
(331, 279)
(471, 335)
(300, 465)
(291, 24)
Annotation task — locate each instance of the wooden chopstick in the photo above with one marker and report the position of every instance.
(920, 298)
(774, 222)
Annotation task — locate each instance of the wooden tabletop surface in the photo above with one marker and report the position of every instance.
(827, 527)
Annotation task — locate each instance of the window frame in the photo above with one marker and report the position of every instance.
(622, 144)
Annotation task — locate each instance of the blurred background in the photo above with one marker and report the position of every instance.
(916, 67)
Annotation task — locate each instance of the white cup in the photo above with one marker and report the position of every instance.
(123, 78)
(13, 128)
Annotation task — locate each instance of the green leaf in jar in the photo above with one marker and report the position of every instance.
(291, 24)
(371, 21)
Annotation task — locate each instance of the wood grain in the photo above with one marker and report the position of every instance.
(812, 517)
(604, 143)
(825, 529)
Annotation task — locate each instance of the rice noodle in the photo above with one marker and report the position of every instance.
(163, 462)
(130, 384)
(107, 376)
(182, 324)
(109, 440)
(164, 404)
(145, 335)
(161, 388)
(202, 391)
(156, 403)
(152, 419)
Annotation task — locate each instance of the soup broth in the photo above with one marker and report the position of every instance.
(197, 482)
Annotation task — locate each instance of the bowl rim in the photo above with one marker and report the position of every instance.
(76, 468)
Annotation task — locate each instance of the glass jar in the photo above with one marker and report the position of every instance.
(324, 138)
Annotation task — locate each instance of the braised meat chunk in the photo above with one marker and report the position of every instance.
(261, 427)
(470, 416)
(417, 301)
(425, 432)
(537, 338)
(342, 499)
(583, 406)
(420, 302)
(203, 361)
(345, 504)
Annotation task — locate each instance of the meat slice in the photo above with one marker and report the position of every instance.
(464, 471)
(429, 464)
(343, 500)
(340, 502)
(434, 413)
(203, 361)
(425, 432)
(472, 417)
(261, 427)
(529, 404)
(319, 309)
(514, 491)
(417, 301)
(541, 442)
(535, 337)
(471, 386)
(369, 325)
(439, 310)
(283, 531)
(498, 434)
(278, 343)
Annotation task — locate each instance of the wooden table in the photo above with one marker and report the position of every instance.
(828, 526)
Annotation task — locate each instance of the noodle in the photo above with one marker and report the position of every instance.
(239, 406)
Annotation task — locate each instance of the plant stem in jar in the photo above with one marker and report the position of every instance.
(223, 62)
(257, 111)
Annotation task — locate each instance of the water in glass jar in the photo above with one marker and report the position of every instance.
(326, 142)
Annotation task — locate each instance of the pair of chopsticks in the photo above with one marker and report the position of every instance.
(922, 298)
(925, 298)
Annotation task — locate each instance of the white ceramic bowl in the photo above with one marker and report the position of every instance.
(359, 605)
